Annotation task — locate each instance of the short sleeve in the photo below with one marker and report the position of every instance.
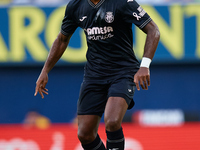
(134, 13)
(68, 24)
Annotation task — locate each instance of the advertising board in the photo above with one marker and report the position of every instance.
(27, 33)
(64, 137)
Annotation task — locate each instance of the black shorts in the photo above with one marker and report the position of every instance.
(95, 93)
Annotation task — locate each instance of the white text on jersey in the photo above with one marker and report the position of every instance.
(99, 30)
(99, 33)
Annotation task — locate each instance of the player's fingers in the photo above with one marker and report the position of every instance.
(148, 80)
(137, 86)
(36, 89)
(43, 87)
(136, 83)
(46, 89)
(44, 84)
(145, 85)
(141, 83)
(45, 92)
(40, 91)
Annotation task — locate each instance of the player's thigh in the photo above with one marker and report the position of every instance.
(88, 126)
(123, 87)
(92, 98)
(114, 112)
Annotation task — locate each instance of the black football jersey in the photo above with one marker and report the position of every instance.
(108, 29)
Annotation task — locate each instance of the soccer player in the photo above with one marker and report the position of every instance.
(112, 72)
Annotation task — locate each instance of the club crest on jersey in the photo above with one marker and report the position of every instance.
(109, 18)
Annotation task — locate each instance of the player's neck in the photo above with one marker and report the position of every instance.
(95, 1)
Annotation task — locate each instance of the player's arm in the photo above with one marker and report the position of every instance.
(59, 46)
(142, 77)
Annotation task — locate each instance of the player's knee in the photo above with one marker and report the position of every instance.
(85, 137)
(112, 124)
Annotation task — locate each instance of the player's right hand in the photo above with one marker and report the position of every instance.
(41, 84)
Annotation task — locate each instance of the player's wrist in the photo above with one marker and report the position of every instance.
(145, 62)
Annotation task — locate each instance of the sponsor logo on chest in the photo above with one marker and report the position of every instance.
(99, 33)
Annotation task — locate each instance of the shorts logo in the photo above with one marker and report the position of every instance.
(109, 18)
(129, 90)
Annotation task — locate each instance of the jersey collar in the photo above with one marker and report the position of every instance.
(97, 5)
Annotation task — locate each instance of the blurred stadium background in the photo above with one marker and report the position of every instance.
(165, 117)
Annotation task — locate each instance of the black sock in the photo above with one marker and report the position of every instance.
(97, 144)
(115, 140)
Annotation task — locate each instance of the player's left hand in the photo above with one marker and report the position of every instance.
(142, 77)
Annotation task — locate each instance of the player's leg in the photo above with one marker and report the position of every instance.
(90, 107)
(114, 112)
(87, 132)
(120, 98)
